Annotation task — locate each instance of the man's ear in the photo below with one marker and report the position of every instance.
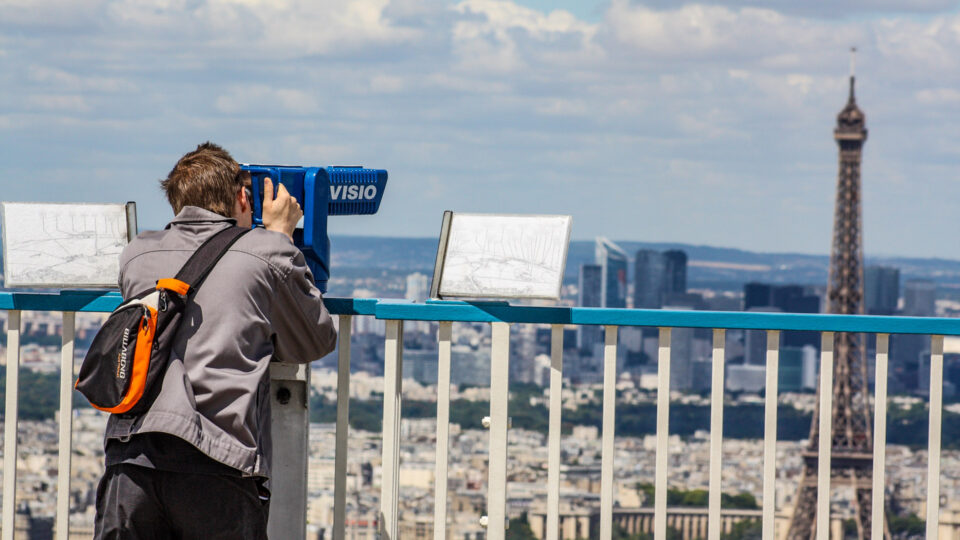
(242, 199)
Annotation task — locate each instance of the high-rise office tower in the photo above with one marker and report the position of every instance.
(908, 350)
(658, 276)
(648, 279)
(852, 438)
(919, 298)
(613, 278)
(755, 341)
(681, 357)
(785, 298)
(589, 285)
(881, 289)
(798, 369)
(675, 272)
(418, 287)
(757, 295)
(589, 295)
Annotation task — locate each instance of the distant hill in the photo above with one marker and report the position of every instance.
(709, 266)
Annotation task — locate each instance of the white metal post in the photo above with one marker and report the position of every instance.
(499, 397)
(933, 441)
(825, 436)
(65, 441)
(716, 434)
(290, 415)
(663, 437)
(392, 401)
(770, 435)
(343, 428)
(553, 449)
(444, 338)
(607, 453)
(880, 433)
(10, 424)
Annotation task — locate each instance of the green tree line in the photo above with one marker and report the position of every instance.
(699, 498)
(904, 426)
(39, 397)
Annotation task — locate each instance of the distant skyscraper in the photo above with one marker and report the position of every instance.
(590, 295)
(798, 369)
(757, 295)
(785, 298)
(919, 298)
(648, 279)
(881, 289)
(589, 285)
(675, 271)
(418, 287)
(755, 341)
(746, 378)
(683, 356)
(908, 350)
(613, 280)
(658, 277)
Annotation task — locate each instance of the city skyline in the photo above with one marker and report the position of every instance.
(654, 122)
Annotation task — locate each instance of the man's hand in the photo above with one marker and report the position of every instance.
(280, 214)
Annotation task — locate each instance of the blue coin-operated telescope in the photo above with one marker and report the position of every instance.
(321, 192)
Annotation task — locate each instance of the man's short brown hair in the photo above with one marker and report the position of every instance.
(207, 177)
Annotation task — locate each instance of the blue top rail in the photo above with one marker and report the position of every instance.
(106, 301)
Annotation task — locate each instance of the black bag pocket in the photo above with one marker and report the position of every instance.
(114, 371)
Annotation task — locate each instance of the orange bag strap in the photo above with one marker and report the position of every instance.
(199, 265)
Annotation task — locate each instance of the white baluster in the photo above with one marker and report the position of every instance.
(716, 435)
(66, 426)
(444, 338)
(343, 428)
(553, 449)
(607, 453)
(770, 436)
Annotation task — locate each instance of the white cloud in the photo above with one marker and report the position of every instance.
(65, 80)
(303, 27)
(262, 99)
(59, 103)
(51, 13)
(719, 109)
(387, 84)
(492, 34)
(921, 48)
(562, 107)
(939, 96)
(708, 33)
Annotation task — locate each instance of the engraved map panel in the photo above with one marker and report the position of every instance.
(62, 245)
(505, 256)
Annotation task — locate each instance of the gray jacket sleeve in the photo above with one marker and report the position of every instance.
(303, 326)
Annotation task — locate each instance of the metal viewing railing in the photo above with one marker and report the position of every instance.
(292, 479)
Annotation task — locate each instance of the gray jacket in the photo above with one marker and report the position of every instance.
(259, 303)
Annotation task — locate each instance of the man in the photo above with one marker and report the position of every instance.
(196, 464)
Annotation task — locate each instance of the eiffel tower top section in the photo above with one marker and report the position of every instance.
(851, 123)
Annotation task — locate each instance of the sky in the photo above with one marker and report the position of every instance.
(703, 123)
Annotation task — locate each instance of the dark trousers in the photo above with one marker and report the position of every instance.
(137, 503)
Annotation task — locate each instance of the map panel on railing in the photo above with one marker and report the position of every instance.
(64, 245)
(501, 256)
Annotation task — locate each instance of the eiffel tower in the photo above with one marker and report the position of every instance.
(852, 445)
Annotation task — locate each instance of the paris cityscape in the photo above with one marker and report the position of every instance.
(644, 278)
